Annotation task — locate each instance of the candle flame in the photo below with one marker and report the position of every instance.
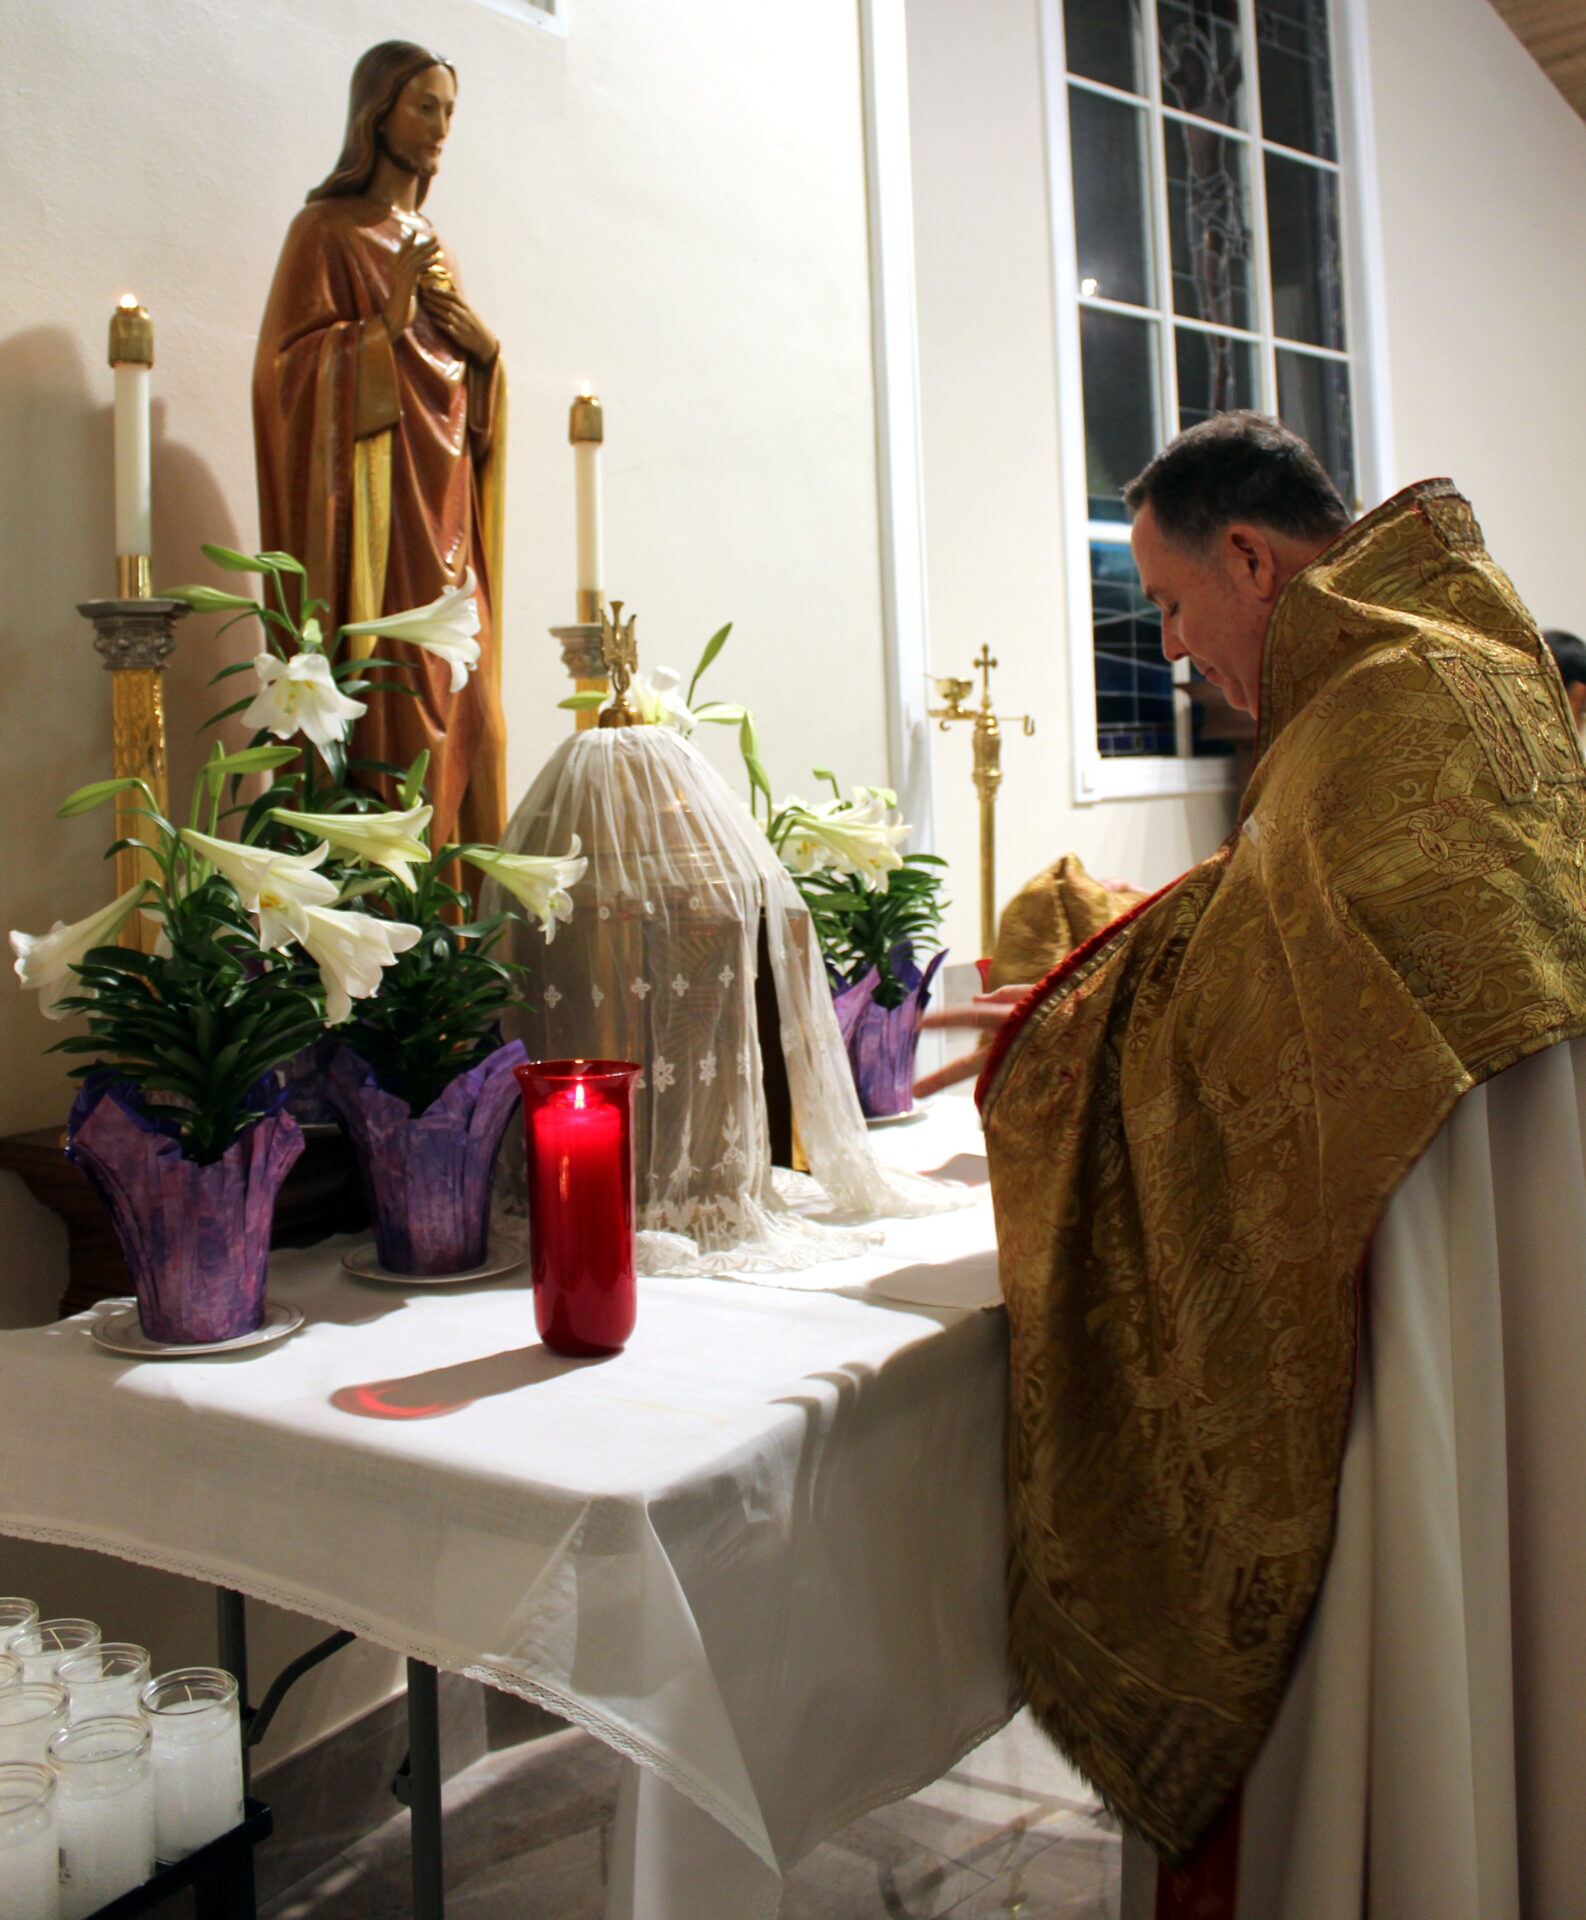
(580, 1094)
(586, 391)
(128, 303)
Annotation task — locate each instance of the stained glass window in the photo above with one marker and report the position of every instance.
(1210, 274)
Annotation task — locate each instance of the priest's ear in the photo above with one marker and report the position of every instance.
(1254, 559)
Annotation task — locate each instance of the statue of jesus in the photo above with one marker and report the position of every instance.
(380, 424)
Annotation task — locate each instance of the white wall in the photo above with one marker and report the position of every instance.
(1482, 182)
(669, 203)
(994, 534)
(1482, 177)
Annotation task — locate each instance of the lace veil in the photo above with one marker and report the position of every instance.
(658, 965)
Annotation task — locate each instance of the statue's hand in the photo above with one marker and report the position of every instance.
(419, 250)
(458, 321)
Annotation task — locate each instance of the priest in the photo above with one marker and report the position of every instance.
(1288, 1169)
(379, 428)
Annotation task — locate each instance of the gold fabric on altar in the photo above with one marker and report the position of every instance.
(1196, 1123)
(1049, 916)
(381, 468)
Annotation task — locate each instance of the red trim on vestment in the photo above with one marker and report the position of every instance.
(1044, 988)
(1208, 1887)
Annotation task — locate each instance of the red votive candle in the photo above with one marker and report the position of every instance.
(578, 1116)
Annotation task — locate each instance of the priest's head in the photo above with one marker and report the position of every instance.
(399, 108)
(1224, 517)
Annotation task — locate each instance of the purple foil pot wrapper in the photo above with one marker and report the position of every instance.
(882, 1041)
(428, 1179)
(196, 1238)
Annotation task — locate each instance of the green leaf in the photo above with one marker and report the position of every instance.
(583, 702)
(247, 760)
(758, 779)
(284, 561)
(229, 559)
(95, 794)
(211, 599)
(413, 785)
(713, 646)
(225, 673)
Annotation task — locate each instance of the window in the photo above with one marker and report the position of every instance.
(1199, 224)
(551, 15)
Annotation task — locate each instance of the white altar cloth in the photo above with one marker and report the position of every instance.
(760, 1552)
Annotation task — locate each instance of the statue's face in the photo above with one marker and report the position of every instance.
(414, 131)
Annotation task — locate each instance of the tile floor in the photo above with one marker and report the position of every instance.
(1010, 1831)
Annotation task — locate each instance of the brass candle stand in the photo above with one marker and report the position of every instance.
(582, 653)
(620, 652)
(987, 739)
(134, 638)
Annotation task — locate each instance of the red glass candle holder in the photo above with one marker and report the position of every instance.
(578, 1116)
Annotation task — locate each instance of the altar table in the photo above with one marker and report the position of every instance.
(760, 1553)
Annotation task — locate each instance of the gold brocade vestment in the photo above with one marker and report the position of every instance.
(1196, 1121)
(380, 467)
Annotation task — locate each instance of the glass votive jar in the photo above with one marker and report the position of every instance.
(10, 1673)
(106, 1680)
(578, 1118)
(42, 1647)
(29, 1716)
(106, 1811)
(30, 1870)
(197, 1758)
(15, 1614)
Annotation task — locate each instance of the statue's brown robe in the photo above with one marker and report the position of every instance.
(1196, 1121)
(380, 468)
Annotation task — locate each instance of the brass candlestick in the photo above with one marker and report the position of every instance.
(987, 774)
(621, 654)
(134, 637)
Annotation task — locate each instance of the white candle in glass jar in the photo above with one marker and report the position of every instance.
(29, 1716)
(30, 1872)
(198, 1788)
(10, 1673)
(42, 1647)
(107, 1679)
(106, 1811)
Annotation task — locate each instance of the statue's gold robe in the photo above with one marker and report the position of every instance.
(1195, 1122)
(380, 468)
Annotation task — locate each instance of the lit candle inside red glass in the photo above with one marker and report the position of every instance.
(580, 1152)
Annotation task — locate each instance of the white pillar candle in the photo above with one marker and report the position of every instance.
(586, 430)
(197, 1758)
(30, 1872)
(30, 1715)
(106, 1812)
(106, 1680)
(133, 517)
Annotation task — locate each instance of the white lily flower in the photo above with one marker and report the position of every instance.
(539, 881)
(44, 961)
(279, 887)
(389, 840)
(350, 949)
(853, 837)
(300, 695)
(445, 627)
(656, 699)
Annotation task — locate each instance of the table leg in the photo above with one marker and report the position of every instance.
(424, 1791)
(231, 1621)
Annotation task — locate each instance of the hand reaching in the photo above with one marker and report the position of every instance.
(985, 1014)
(419, 250)
(458, 321)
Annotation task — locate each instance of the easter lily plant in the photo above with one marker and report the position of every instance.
(322, 907)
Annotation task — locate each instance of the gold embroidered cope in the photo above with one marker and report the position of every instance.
(1197, 1123)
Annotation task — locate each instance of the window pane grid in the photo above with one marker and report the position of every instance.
(1195, 325)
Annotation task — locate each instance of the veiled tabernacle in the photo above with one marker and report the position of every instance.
(658, 966)
(1196, 1125)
